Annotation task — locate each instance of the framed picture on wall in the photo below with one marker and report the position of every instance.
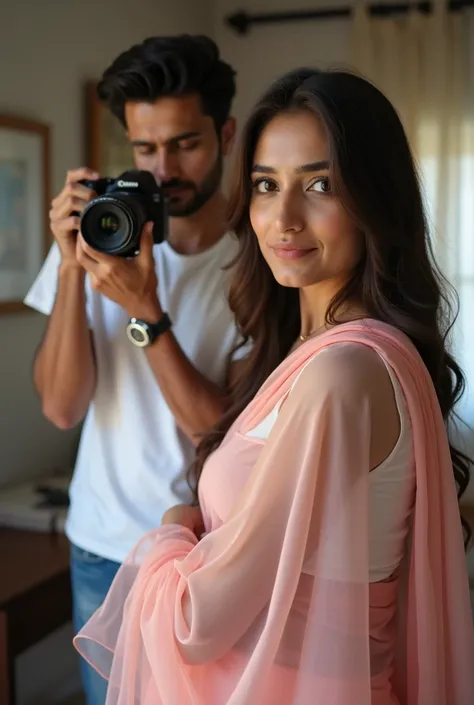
(107, 149)
(24, 205)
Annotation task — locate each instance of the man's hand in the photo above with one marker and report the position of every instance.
(185, 515)
(131, 283)
(73, 199)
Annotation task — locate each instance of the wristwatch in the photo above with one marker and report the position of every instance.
(142, 334)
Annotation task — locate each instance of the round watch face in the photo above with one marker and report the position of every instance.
(138, 335)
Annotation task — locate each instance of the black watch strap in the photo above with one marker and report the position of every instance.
(162, 326)
(142, 333)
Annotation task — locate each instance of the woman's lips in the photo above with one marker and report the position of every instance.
(292, 252)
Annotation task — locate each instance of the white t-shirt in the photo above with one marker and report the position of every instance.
(133, 458)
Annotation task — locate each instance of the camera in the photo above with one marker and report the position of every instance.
(112, 222)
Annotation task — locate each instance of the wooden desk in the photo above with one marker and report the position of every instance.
(35, 596)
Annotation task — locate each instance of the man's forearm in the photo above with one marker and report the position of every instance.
(64, 370)
(195, 402)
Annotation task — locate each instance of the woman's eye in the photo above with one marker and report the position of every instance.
(264, 186)
(321, 185)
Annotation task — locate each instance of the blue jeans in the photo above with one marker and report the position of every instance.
(91, 578)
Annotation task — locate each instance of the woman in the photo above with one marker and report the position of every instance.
(332, 568)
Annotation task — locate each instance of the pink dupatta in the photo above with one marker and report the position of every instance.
(274, 607)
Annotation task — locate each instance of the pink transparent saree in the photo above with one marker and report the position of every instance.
(274, 606)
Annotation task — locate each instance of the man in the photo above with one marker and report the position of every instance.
(144, 408)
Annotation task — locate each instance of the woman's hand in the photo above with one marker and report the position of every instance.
(185, 515)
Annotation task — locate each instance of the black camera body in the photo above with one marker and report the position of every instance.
(113, 221)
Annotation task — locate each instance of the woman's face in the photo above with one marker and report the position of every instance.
(304, 233)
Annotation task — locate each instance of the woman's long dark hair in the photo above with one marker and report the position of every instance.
(397, 281)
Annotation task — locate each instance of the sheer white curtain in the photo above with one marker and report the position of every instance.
(425, 64)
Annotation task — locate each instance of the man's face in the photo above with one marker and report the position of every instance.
(179, 145)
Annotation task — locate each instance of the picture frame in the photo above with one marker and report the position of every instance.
(108, 150)
(25, 172)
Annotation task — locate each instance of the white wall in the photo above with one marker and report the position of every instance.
(47, 49)
(270, 50)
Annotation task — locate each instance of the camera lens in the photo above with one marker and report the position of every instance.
(110, 225)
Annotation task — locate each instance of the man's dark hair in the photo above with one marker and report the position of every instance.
(170, 66)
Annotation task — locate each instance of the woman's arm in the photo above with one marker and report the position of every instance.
(339, 421)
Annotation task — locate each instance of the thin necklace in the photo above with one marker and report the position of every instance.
(309, 335)
(303, 338)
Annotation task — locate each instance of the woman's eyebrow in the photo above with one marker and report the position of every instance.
(322, 165)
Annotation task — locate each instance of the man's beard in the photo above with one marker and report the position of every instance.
(201, 193)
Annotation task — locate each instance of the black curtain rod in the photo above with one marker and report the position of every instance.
(241, 21)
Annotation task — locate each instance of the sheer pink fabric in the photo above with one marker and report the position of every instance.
(273, 606)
